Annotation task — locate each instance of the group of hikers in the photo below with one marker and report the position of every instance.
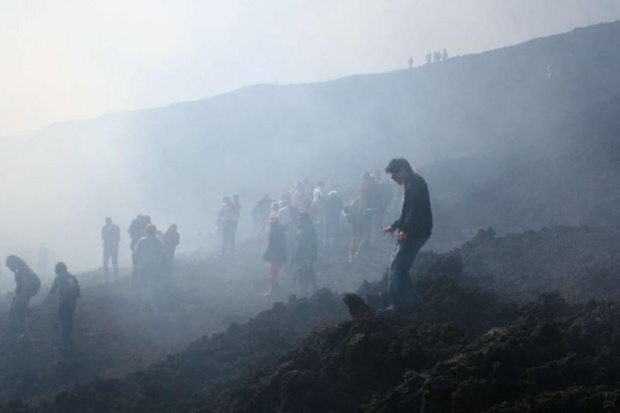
(158, 256)
(153, 262)
(290, 225)
(65, 288)
(292, 222)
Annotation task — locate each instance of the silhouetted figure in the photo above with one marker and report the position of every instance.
(333, 211)
(305, 256)
(260, 214)
(67, 288)
(170, 241)
(27, 284)
(444, 58)
(429, 59)
(111, 236)
(149, 258)
(275, 254)
(437, 56)
(410, 62)
(413, 230)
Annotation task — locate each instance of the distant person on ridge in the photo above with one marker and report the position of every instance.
(305, 256)
(275, 254)
(410, 62)
(413, 230)
(445, 55)
(27, 285)
(68, 290)
(170, 241)
(111, 236)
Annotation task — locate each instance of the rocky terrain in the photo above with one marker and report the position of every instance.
(472, 346)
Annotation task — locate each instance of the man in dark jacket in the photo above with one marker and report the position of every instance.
(68, 290)
(413, 230)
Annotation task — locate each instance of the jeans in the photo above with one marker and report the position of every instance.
(401, 292)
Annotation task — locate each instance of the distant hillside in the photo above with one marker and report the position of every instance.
(512, 138)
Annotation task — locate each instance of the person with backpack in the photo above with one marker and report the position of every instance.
(27, 286)
(67, 288)
(111, 236)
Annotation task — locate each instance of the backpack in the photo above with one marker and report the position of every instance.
(33, 283)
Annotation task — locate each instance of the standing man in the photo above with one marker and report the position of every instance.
(111, 236)
(68, 290)
(413, 230)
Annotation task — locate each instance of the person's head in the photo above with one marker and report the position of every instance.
(108, 221)
(275, 206)
(399, 169)
(147, 219)
(151, 230)
(173, 227)
(366, 177)
(15, 263)
(61, 268)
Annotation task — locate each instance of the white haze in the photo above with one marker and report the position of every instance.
(74, 59)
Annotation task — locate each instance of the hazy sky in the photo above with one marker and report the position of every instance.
(65, 59)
